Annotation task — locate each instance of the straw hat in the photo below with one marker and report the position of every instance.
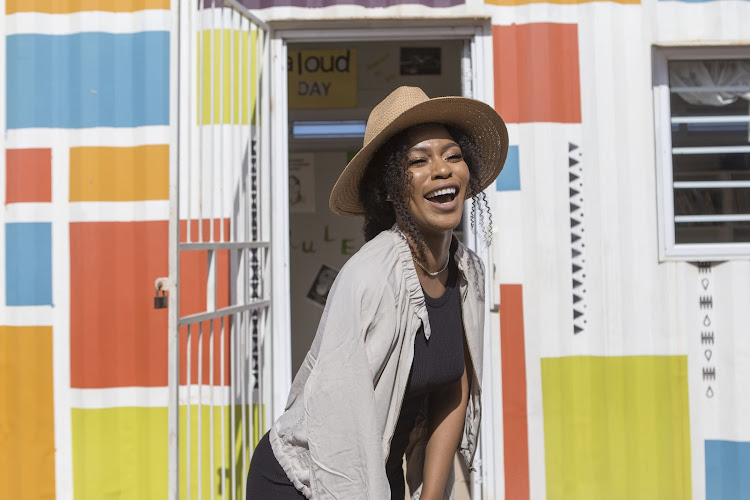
(409, 106)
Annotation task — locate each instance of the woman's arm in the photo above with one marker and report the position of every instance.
(447, 416)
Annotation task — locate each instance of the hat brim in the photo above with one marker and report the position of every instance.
(477, 119)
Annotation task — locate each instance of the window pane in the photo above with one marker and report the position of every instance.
(711, 167)
(712, 133)
(713, 83)
(711, 201)
(682, 108)
(712, 232)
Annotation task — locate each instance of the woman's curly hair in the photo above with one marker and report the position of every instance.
(384, 189)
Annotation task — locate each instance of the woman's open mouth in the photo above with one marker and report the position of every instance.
(443, 195)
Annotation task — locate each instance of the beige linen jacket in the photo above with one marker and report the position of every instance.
(334, 437)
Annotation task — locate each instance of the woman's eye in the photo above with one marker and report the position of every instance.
(456, 157)
(416, 161)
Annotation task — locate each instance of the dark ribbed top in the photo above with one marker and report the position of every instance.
(437, 362)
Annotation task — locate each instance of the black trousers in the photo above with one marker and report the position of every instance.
(266, 480)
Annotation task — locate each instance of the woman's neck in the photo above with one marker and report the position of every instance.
(437, 250)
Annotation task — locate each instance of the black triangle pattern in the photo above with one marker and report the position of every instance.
(578, 258)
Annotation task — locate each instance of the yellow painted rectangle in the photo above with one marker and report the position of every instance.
(71, 6)
(119, 174)
(119, 453)
(224, 98)
(616, 428)
(27, 423)
(122, 452)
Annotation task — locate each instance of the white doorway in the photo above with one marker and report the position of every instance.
(316, 242)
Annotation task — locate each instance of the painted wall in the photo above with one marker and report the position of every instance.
(621, 377)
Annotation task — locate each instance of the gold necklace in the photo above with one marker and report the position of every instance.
(436, 272)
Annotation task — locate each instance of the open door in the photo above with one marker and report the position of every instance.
(448, 59)
(220, 265)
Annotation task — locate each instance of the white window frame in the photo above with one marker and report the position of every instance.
(668, 249)
(477, 81)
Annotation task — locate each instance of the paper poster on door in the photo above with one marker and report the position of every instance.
(322, 285)
(322, 78)
(302, 183)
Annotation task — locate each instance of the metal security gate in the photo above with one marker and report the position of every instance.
(219, 272)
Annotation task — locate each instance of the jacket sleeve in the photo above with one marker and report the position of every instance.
(346, 458)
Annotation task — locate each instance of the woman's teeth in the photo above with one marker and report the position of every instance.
(439, 192)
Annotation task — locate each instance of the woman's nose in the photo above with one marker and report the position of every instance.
(441, 169)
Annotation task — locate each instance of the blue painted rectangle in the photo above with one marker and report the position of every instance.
(87, 80)
(727, 470)
(510, 177)
(28, 264)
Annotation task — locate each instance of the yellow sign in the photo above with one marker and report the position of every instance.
(322, 78)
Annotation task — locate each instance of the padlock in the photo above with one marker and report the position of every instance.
(160, 301)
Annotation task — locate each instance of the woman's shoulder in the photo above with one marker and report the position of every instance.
(377, 264)
(381, 252)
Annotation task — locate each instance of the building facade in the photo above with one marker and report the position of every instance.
(617, 341)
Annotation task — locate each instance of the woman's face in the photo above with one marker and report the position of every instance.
(439, 179)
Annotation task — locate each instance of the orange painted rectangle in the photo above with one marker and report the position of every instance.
(71, 6)
(27, 423)
(117, 337)
(28, 175)
(515, 419)
(537, 73)
(119, 174)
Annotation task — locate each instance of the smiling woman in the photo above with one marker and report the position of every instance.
(396, 363)
(385, 192)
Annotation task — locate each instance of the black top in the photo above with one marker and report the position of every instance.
(437, 362)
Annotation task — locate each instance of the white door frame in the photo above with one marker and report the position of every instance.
(478, 82)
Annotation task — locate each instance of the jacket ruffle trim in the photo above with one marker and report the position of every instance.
(413, 286)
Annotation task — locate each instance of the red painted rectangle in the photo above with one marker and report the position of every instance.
(117, 337)
(515, 419)
(537, 72)
(28, 175)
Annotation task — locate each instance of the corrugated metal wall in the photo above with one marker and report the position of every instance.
(84, 409)
(602, 348)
